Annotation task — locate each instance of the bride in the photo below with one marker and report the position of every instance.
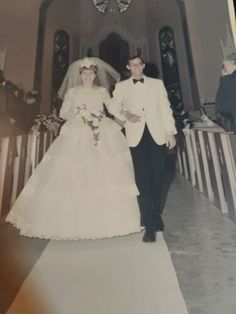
(84, 186)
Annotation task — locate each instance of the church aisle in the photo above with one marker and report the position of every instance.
(200, 239)
(112, 276)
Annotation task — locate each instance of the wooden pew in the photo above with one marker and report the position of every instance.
(7, 163)
(212, 156)
(15, 170)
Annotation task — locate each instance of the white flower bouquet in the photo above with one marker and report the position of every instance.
(92, 118)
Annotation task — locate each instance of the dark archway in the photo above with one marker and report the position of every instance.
(115, 51)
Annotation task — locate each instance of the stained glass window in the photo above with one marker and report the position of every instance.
(104, 6)
(60, 59)
(170, 67)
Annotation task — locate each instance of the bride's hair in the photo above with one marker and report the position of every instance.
(91, 67)
(88, 64)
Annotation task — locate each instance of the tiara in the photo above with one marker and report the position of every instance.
(87, 63)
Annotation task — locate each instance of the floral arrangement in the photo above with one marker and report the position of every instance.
(92, 118)
(44, 122)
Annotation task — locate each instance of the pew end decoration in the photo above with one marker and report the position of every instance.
(43, 123)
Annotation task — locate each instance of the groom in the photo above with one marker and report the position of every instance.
(150, 128)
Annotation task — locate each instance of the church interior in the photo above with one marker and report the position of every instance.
(183, 43)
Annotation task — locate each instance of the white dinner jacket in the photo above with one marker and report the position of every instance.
(148, 100)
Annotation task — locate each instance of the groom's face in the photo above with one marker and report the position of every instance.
(136, 67)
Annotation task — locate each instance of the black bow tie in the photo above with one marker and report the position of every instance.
(140, 80)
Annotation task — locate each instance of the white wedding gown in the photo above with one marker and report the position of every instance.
(81, 190)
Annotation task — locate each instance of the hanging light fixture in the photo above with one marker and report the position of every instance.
(106, 6)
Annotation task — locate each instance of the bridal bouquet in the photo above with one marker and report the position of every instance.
(92, 118)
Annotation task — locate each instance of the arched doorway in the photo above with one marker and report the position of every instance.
(115, 51)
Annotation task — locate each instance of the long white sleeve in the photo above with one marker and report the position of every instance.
(67, 106)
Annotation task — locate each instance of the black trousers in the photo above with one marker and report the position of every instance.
(149, 166)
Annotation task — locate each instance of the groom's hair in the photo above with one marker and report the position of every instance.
(135, 57)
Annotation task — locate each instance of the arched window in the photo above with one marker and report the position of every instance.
(60, 59)
(170, 68)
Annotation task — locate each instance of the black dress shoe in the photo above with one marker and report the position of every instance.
(149, 236)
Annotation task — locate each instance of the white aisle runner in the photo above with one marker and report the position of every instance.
(113, 276)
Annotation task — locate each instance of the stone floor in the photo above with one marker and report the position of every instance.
(201, 240)
(202, 243)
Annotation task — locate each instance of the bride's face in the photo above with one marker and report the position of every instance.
(87, 77)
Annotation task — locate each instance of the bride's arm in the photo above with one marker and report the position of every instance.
(115, 106)
(66, 111)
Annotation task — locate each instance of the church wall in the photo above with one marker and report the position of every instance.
(130, 26)
(87, 28)
(18, 29)
(206, 22)
(60, 16)
(166, 13)
(140, 26)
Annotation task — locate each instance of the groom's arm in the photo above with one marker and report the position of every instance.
(167, 113)
(117, 107)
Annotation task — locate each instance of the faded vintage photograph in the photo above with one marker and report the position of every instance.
(117, 156)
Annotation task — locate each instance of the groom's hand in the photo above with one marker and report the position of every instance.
(170, 141)
(131, 117)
